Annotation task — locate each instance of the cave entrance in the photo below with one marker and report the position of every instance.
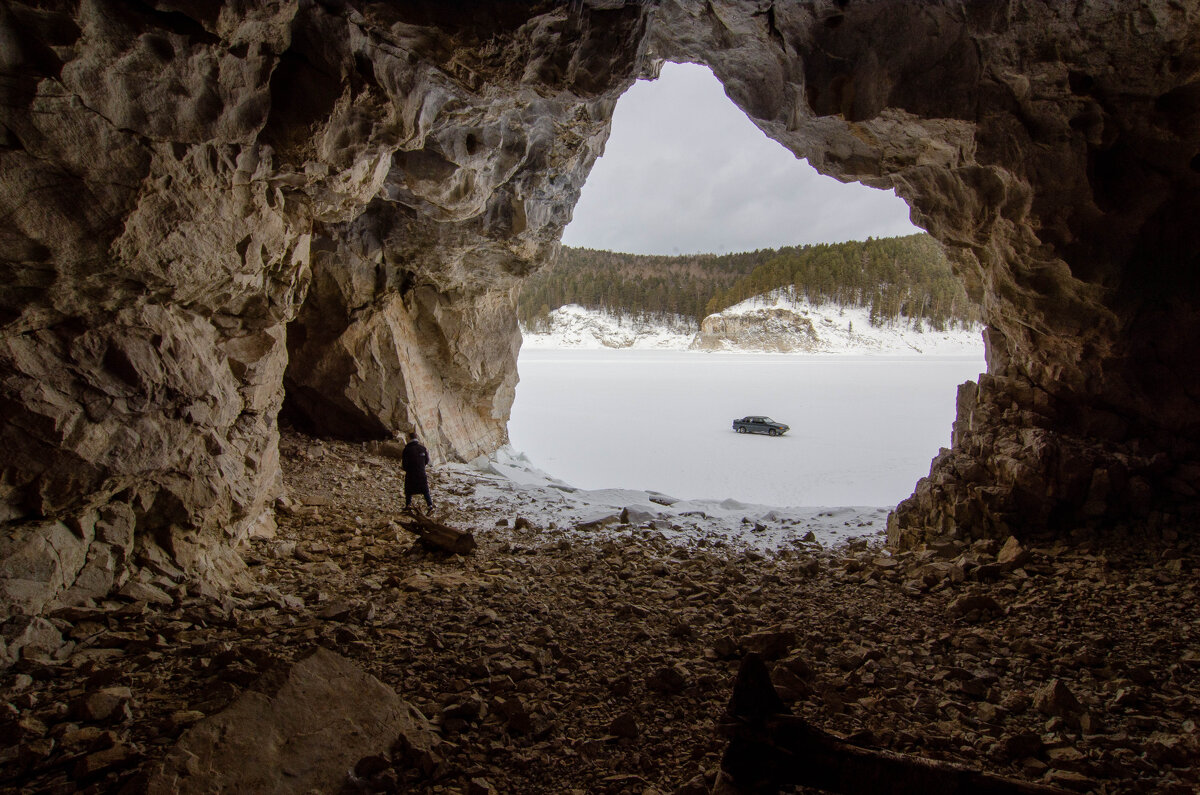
(713, 216)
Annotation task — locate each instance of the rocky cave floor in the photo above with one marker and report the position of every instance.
(558, 659)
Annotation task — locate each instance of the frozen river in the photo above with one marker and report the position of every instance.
(863, 428)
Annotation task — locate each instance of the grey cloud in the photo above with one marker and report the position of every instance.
(685, 171)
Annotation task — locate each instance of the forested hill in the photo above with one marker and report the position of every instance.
(897, 277)
(635, 284)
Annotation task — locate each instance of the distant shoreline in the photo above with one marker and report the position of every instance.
(889, 355)
(763, 325)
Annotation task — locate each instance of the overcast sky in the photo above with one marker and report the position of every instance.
(685, 171)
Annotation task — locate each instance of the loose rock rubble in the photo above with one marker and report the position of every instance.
(558, 660)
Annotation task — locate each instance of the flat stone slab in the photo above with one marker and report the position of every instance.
(300, 731)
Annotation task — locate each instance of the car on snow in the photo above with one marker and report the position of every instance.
(760, 425)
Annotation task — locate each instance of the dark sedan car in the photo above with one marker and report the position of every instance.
(760, 425)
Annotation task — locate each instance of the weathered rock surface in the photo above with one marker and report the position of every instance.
(299, 734)
(195, 197)
(175, 181)
(774, 330)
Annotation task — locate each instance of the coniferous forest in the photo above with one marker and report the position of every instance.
(899, 278)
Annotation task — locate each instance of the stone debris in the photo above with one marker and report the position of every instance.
(554, 660)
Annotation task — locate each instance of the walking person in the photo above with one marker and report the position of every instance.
(413, 461)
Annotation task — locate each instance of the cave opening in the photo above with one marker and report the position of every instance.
(166, 559)
(693, 212)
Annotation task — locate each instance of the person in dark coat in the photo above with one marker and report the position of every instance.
(413, 461)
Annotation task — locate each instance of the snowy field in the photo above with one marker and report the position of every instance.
(863, 428)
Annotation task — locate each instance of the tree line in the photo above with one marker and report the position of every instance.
(901, 279)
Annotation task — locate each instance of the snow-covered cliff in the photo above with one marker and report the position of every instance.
(573, 326)
(778, 324)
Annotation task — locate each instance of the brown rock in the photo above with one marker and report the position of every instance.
(798, 665)
(37, 563)
(625, 726)
(109, 703)
(337, 610)
(183, 718)
(94, 764)
(1066, 757)
(1019, 746)
(974, 607)
(1055, 698)
(28, 637)
(35, 752)
(1012, 554)
(414, 753)
(95, 580)
(621, 685)
(371, 765)
(671, 679)
(1071, 780)
(480, 786)
(269, 740)
(769, 645)
(145, 592)
(516, 713)
(697, 785)
(471, 709)
(77, 738)
(725, 648)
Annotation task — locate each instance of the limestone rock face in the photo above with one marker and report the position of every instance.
(410, 322)
(173, 181)
(205, 203)
(774, 329)
(1053, 150)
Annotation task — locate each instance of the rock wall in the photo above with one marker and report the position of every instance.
(176, 177)
(151, 257)
(773, 329)
(182, 181)
(1055, 150)
(410, 324)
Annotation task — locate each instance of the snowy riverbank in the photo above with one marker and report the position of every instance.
(771, 324)
(545, 500)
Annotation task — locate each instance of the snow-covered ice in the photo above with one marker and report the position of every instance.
(618, 426)
(624, 415)
(863, 430)
(513, 484)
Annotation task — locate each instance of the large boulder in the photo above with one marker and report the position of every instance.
(301, 730)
